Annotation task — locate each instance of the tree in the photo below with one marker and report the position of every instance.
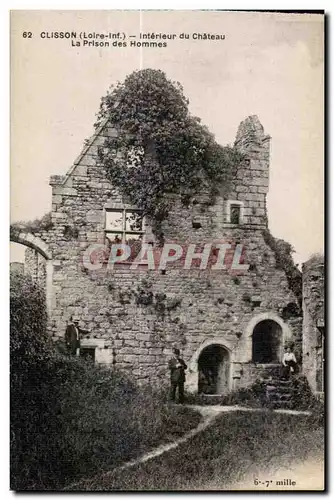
(28, 319)
(160, 149)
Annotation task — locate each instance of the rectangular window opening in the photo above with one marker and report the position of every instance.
(235, 214)
(124, 226)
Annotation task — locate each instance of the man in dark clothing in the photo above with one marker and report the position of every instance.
(72, 336)
(177, 375)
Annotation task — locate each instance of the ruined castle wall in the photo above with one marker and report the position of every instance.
(136, 316)
(313, 322)
(35, 266)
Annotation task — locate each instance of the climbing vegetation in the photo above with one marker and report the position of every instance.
(37, 225)
(161, 149)
(283, 254)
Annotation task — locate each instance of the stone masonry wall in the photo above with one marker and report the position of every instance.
(35, 266)
(137, 316)
(313, 319)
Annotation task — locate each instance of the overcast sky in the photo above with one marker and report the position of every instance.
(269, 64)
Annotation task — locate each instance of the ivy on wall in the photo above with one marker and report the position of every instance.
(36, 226)
(283, 255)
(161, 149)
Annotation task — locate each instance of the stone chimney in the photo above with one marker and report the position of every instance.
(251, 137)
(252, 179)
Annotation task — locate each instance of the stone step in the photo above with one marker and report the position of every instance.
(285, 392)
(274, 388)
(282, 404)
(276, 381)
(285, 387)
(285, 397)
(279, 397)
(280, 381)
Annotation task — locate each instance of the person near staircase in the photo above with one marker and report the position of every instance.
(289, 363)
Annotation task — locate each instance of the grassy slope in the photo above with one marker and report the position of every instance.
(72, 420)
(225, 452)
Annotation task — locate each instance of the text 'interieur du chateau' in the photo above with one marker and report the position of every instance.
(121, 40)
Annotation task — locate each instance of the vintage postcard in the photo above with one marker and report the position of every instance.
(167, 250)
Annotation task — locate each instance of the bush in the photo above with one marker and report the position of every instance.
(254, 396)
(28, 319)
(304, 399)
(70, 418)
(34, 226)
(29, 349)
(79, 419)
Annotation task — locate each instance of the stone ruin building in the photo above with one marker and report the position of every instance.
(314, 323)
(237, 324)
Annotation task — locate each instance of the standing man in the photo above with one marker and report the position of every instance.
(177, 375)
(72, 336)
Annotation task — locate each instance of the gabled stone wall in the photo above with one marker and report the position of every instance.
(136, 316)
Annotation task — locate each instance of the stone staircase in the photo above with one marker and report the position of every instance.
(275, 392)
(279, 392)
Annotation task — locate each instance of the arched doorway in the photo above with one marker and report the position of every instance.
(214, 370)
(267, 341)
(40, 247)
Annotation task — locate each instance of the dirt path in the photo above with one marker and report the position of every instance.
(211, 411)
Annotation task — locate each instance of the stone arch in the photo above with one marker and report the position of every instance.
(192, 376)
(287, 334)
(226, 344)
(247, 347)
(214, 370)
(31, 241)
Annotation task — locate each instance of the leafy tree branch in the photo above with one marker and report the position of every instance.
(161, 149)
